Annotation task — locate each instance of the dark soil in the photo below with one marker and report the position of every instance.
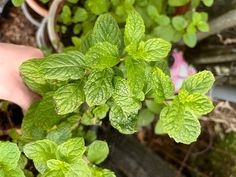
(16, 29)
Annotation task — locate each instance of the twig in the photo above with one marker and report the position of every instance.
(185, 160)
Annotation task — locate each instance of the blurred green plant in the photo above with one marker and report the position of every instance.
(172, 20)
(220, 160)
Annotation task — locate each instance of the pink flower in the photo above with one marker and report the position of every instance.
(180, 70)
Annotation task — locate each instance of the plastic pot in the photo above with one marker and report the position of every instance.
(54, 11)
(34, 12)
(30, 15)
(46, 35)
(42, 38)
(33, 4)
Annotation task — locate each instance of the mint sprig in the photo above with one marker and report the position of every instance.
(112, 75)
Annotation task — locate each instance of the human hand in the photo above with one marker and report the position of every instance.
(12, 87)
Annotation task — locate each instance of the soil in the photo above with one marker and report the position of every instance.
(16, 29)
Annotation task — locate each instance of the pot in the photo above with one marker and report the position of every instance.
(46, 36)
(34, 12)
(31, 16)
(52, 21)
(33, 4)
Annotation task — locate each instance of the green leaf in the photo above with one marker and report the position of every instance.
(163, 20)
(102, 55)
(136, 76)
(33, 77)
(41, 150)
(41, 166)
(40, 117)
(123, 96)
(22, 162)
(57, 168)
(154, 49)
(159, 129)
(180, 124)
(154, 107)
(152, 11)
(200, 82)
(16, 172)
(76, 40)
(98, 88)
(66, 15)
(191, 28)
(10, 154)
(17, 3)
(198, 103)
(145, 117)
(73, 1)
(80, 169)
(101, 111)
(203, 26)
(59, 135)
(208, 2)
(62, 169)
(88, 118)
(190, 39)
(166, 32)
(125, 123)
(106, 29)
(204, 16)
(68, 98)
(196, 17)
(164, 66)
(177, 3)
(97, 151)
(98, 6)
(179, 23)
(64, 66)
(195, 3)
(80, 15)
(87, 42)
(99, 172)
(71, 151)
(162, 86)
(134, 28)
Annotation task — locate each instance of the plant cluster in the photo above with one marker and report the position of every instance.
(111, 75)
(71, 158)
(171, 20)
(114, 74)
(224, 145)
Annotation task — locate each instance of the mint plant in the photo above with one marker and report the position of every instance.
(10, 156)
(113, 73)
(117, 74)
(69, 158)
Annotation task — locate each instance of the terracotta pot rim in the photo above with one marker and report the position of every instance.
(37, 8)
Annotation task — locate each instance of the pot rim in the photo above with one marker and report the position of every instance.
(37, 8)
(52, 21)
